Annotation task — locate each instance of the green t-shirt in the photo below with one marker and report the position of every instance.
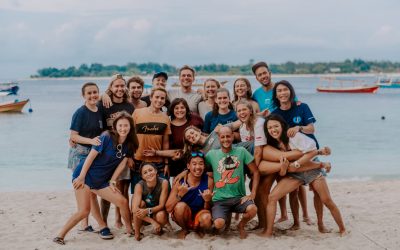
(228, 172)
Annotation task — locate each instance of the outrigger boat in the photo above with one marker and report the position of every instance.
(355, 88)
(14, 106)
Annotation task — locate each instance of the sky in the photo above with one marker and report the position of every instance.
(59, 33)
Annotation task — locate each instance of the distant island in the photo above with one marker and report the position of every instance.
(99, 70)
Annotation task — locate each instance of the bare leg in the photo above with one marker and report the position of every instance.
(205, 223)
(285, 186)
(118, 200)
(319, 210)
(321, 187)
(251, 211)
(182, 213)
(105, 208)
(294, 206)
(161, 217)
(303, 203)
(269, 180)
(282, 205)
(82, 196)
(95, 211)
(123, 186)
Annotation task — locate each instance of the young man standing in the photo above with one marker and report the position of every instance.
(118, 96)
(230, 196)
(186, 79)
(159, 81)
(190, 201)
(263, 95)
(152, 129)
(135, 89)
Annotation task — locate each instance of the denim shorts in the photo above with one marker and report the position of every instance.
(308, 176)
(77, 154)
(221, 209)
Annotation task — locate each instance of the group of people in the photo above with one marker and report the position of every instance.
(209, 143)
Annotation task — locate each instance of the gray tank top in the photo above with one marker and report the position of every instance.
(151, 198)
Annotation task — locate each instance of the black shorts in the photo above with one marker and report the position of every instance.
(221, 209)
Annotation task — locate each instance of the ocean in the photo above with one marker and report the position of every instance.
(34, 146)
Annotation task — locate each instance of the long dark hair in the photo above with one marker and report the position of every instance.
(189, 147)
(284, 138)
(131, 139)
(175, 102)
(291, 89)
(215, 107)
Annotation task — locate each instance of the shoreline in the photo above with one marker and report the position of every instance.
(370, 211)
(218, 76)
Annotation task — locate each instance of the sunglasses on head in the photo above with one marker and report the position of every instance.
(194, 154)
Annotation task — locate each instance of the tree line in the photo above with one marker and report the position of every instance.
(99, 70)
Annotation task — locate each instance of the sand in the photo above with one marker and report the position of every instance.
(371, 211)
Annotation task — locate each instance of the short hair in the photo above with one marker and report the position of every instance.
(158, 89)
(85, 85)
(137, 79)
(258, 65)
(184, 67)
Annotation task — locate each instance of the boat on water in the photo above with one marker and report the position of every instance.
(346, 86)
(10, 87)
(389, 83)
(13, 106)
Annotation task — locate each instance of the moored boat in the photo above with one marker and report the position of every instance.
(14, 106)
(352, 89)
(389, 83)
(11, 87)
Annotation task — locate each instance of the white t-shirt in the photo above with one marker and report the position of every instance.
(302, 142)
(259, 135)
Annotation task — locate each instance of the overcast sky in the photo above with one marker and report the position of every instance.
(60, 33)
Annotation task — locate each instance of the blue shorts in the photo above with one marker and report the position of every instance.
(308, 176)
(221, 209)
(77, 154)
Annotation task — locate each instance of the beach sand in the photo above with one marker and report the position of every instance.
(371, 211)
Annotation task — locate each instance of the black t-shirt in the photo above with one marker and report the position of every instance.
(87, 123)
(109, 114)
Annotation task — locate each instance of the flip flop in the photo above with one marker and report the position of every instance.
(59, 240)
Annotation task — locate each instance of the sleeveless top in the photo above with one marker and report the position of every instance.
(151, 198)
(193, 198)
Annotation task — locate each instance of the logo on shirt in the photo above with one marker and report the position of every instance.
(226, 167)
(297, 119)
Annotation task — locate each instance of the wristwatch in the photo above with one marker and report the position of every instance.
(300, 128)
(149, 211)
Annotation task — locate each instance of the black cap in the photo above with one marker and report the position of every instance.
(163, 74)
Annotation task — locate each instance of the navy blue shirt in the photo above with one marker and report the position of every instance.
(105, 163)
(192, 197)
(87, 123)
(211, 121)
(298, 115)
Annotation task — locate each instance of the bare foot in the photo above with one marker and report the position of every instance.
(325, 151)
(308, 221)
(237, 216)
(265, 234)
(118, 224)
(242, 232)
(327, 166)
(282, 219)
(283, 170)
(294, 227)
(322, 229)
(200, 233)
(182, 234)
(343, 232)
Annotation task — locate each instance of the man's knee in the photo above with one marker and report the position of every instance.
(219, 223)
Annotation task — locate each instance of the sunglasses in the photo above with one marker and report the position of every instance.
(119, 154)
(194, 154)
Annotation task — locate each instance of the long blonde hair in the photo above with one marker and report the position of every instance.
(252, 119)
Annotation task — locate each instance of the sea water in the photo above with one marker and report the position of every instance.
(34, 146)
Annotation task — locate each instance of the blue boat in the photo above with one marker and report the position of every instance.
(10, 87)
(389, 83)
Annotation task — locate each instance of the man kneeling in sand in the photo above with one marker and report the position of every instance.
(229, 192)
(190, 200)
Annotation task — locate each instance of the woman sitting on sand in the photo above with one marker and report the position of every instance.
(98, 174)
(276, 132)
(149, 198)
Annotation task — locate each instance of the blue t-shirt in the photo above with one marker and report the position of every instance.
(211, 121)
(87, 123)
(105, 163)
(264, 99)
(298, 115)
(192, 197)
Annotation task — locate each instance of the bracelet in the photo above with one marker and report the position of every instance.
(297, 164)
(113, 183)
